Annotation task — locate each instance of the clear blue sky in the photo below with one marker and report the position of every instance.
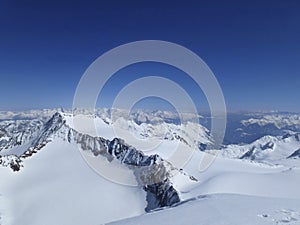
(253, 47)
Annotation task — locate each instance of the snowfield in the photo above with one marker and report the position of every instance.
(255, 183)
(224, 209)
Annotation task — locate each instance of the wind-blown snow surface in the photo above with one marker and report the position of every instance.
(56, 186)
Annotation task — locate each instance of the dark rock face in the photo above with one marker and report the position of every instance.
(160, 195)
(269, 145)
(286, 136)
(296, 136)
(295, 154)
(202, 147)
(150, 171)
(11, 161)
(249, 154)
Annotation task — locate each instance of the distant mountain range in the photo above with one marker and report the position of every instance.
(244, 127)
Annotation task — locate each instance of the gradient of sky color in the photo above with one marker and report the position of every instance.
(253, 47)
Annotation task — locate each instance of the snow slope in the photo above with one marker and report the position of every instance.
(224, 209)
(56, 186)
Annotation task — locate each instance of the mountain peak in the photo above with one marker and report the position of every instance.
(151, 172)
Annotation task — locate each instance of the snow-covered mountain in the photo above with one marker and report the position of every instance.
(280, 121)
(152, 173)
(19, 127)
(143, 116)
(242, 127)
(280, 150)
(45, 179)
(18, 132)
(245, 127)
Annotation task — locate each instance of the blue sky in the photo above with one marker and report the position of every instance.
(251, 46)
